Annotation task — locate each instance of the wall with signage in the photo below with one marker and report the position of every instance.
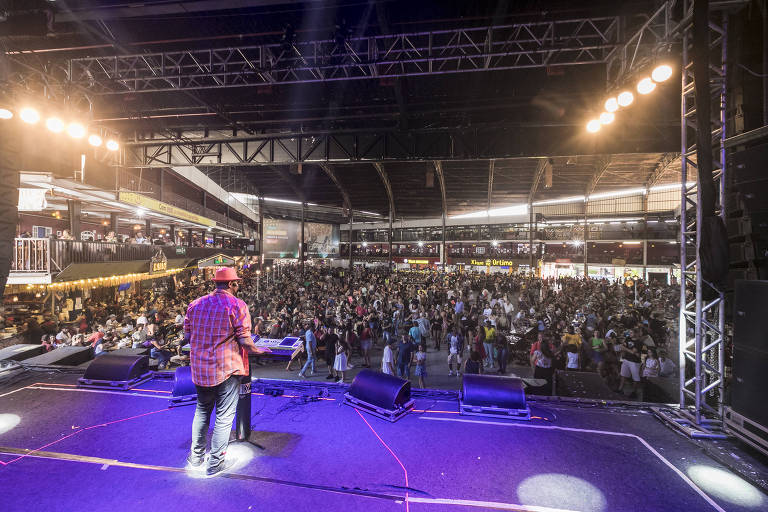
(282, 237)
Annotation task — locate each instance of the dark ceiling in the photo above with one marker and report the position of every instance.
(43, 35)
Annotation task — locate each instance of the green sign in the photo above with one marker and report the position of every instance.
(181, 250)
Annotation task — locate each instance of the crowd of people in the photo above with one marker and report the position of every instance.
(475, 322)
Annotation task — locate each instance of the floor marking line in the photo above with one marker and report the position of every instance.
(75, 386)
(407, 485)
(78, 390)
(83, 430)
(489, 504)
(663, 459)
(14, 391)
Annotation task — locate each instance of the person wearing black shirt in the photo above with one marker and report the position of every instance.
(330, 340)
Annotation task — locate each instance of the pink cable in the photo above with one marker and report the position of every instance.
(79, 431)
(407, 486)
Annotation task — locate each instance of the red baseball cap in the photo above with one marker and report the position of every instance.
(226, 274)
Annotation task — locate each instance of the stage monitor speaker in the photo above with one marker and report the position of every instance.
(63, 356)
(749, 315)
(184, 390)
(382, 395)
(494, 396)
(116, 371)
(21, 352)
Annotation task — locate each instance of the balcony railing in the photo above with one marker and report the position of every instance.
(45, 255)
(30, 255)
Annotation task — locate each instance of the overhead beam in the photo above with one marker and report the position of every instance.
(476, 143)
(286, 177)
(533, 44)
(541, 168)
(328, 170)
(387, 186)
(441, 180)
(665, 162)
(601, 166)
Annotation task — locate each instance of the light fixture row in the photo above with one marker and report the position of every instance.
(625, 98)
(54, 124)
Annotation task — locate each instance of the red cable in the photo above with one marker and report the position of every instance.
(407, 486)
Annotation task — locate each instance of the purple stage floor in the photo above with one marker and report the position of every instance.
(62, 448)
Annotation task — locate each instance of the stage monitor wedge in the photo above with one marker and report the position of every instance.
(493, 396)
(385, 396)
(116, 371)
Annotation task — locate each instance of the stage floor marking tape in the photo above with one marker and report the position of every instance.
(645, 443)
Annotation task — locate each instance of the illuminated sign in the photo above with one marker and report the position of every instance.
(416, 262)
(164, 208)
(492, 262)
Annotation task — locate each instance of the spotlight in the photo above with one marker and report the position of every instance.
(611, 105)
(607, 117)
(94, 140)
(140, 212)
(420, 244)
(29, 115)
(76, 130)
(661, 73)
(495, 243)
(54, 124)
(625, 99)
(112, 145)
(5, 113)
(593, 126)
(365, 244)
(645, 86)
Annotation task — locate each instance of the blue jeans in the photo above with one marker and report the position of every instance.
(502, 357)
(488, 353)
(162, 356)
(224, 397)
(404, 370)
(310, 361)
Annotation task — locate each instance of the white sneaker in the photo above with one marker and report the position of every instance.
(339, 382)
(450, 372)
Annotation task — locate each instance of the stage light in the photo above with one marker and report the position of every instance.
(611, 104)
(76, 130)
(661, 73)
(725, 485)
(420, 244)
(645, 86)
(625, 99)
(5, 113)
(54, 124)
(495, 243)
(365, 244)
(576, 243)
(29, 115)
(8, 422)
(607, 117)
(560, 491)
(593, 126)
(140, 212)
(112, 145)
(94, 140)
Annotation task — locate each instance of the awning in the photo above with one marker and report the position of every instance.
(77, 271)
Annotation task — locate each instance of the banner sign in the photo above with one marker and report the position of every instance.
(167, 209)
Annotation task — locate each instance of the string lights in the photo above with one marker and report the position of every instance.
(625, 98)
(55, 124)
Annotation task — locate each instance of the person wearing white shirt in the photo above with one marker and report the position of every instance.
(142, 320)
(387, 363)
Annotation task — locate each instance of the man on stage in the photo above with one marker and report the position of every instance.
(218, 326)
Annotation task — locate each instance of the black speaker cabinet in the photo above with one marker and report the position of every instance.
(116, 371)
(750, 380)
(382, 395)
(749, 313)
(494, 396)
(184, 390)
(20, 352)
(63, 356)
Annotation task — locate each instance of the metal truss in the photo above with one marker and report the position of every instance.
(652, 41)
(477, 143)
(702, 306)
(514, 46)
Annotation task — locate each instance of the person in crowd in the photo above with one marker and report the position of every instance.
(454, 353)
(420, 369)
(340, 362)
(310, 342)
(542, 363)
(404, 356)
(474, 364)
(630, 364)
(365, 345)
(651, 366)
(666, 365)
(489, 338)
(387, 359)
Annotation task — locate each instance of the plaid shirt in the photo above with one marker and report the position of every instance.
(219, 329)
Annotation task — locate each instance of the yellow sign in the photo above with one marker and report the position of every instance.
(492, 262)
(159, 266)
(164, 208)
(417, 262)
